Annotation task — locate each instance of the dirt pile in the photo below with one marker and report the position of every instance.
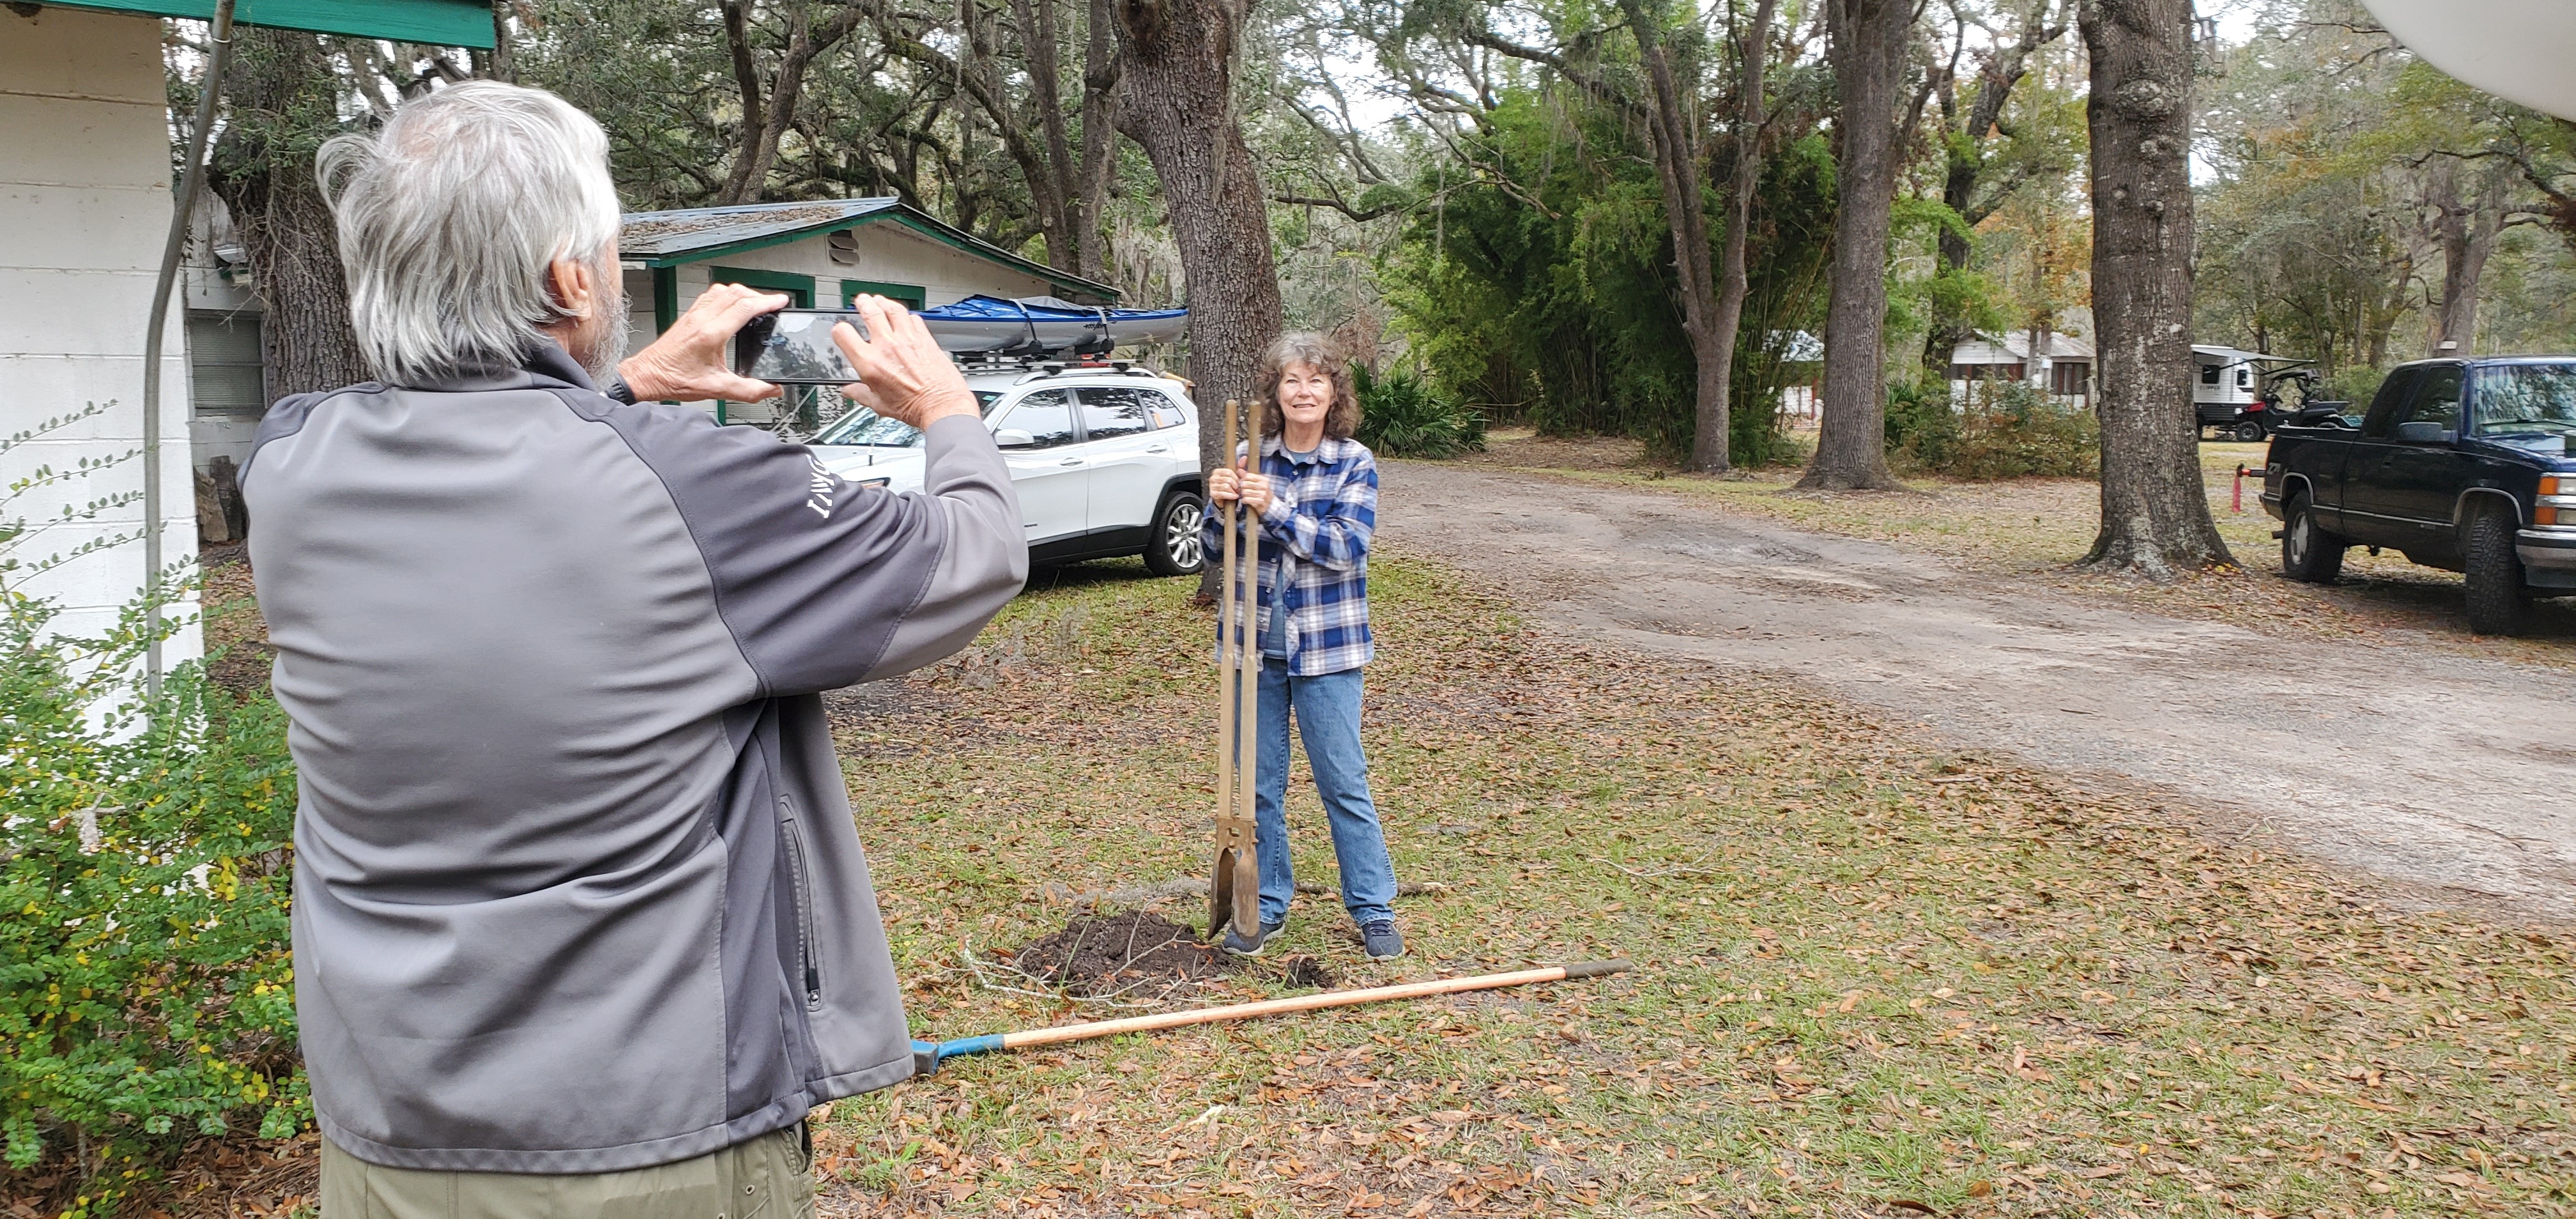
(1302, 972)
(1137, 954)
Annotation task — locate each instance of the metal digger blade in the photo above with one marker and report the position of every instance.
(1234, 891)
(1220, 896)
(1247, 885)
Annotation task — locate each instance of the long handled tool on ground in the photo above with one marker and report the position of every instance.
(927, 1055)
(1234, 892)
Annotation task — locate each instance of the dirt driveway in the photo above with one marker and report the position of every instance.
(2418, 764)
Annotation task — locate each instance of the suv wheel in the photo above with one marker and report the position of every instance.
(2499, 604)
(1174, 547)
(2308, 552)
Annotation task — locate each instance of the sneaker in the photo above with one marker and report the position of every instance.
(1383, 941)
(1243, 945)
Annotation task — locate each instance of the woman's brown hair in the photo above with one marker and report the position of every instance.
(1314, 351)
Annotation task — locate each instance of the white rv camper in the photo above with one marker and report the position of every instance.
(2227, 393)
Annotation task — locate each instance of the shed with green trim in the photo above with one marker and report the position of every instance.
(822, 253)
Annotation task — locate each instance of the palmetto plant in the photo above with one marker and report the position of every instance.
(1402, 415)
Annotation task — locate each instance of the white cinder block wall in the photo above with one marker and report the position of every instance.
(84, 208)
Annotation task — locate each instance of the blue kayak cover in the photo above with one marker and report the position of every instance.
(1040, 308)
(1045, 323)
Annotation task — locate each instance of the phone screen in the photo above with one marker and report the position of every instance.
(794, 347)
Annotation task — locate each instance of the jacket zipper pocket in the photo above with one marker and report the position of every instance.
(804, 883)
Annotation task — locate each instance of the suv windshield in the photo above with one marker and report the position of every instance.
(864, 426)
(2524, 400)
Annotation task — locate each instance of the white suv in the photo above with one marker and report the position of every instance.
(1105, 460)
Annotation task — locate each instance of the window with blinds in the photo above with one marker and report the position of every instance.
(223, 364)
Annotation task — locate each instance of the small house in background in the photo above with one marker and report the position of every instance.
(2064, 364)
(1802, 376)
(820, 253)
(85, 208)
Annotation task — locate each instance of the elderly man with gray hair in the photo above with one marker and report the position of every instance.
(582, 925)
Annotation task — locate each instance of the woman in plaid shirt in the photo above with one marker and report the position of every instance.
(1314, 497)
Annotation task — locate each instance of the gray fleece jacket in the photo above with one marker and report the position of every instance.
(577, 887)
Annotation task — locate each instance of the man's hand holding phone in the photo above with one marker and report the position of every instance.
(903, 374)
(688, 363)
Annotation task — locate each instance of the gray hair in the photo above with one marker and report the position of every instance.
(449, 216)
(1342, 419)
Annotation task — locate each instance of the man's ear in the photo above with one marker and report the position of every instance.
(569, 284)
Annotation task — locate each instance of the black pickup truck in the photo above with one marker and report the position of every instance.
(2463, 465)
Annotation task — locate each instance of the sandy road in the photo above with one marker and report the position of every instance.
(2419, 765)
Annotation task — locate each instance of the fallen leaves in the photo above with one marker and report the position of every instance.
(1985, 996)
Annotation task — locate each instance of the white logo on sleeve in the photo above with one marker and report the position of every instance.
(821, 490)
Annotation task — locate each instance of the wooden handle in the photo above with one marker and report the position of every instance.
(1304, 1003)
(1229, 728)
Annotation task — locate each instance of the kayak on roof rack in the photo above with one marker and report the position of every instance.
(1044, 325)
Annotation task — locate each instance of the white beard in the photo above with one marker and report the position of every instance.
(600, 342)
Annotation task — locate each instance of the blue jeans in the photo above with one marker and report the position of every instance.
(1328, 719)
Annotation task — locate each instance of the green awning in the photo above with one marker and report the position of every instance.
(454, 23)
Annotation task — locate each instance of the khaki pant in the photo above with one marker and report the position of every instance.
(770, 1177)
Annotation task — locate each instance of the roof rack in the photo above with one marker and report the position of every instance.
(1049, 367)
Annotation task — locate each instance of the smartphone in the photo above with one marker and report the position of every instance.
(795, 347)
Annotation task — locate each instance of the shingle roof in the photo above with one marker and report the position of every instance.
(689, 230)
(2014, 347)
(692, 234)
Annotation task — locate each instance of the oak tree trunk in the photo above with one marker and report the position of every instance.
(1866, 43)
(278, 112)
(1177, 61)
(1099, 140)
(1677, 166)
(1068, 184)
(2155, 512)
(1709, 452)
(2469, 227)
(765, 120)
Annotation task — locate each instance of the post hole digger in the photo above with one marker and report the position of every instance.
(1234, 887)
(1234, 890)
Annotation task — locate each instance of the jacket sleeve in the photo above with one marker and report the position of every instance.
(1333, 535)
(824, 583)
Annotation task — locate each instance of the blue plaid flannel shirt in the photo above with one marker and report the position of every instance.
(1322, 513)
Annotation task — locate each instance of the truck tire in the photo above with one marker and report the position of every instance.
(2499, 602)
(1172, 546)
(2308, 552)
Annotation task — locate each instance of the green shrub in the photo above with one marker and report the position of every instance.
(145, 988)
(2356, 384)
(1922, 429)
(2008, 429)
(2019, 432)
(1401, 415)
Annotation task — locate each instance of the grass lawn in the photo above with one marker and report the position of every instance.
(1872, 978)
(2036, 527)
